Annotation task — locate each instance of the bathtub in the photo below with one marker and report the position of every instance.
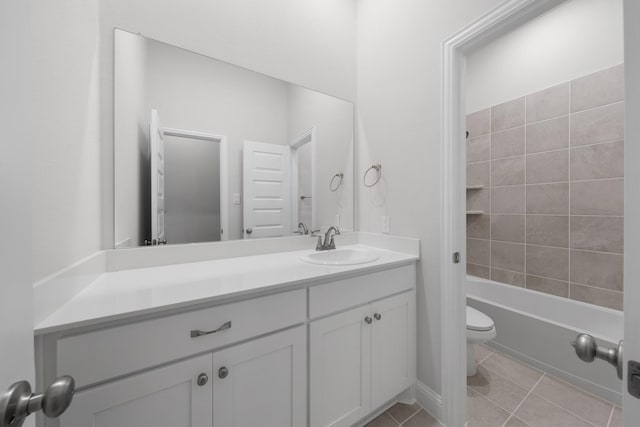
(537, 328)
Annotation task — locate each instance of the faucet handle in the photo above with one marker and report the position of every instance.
(319, 244)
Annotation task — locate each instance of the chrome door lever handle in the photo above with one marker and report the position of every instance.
(17, 403)
(588, 350)
(198, 333)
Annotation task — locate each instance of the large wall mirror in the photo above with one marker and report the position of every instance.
(208, 151)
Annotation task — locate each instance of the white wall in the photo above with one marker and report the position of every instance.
(310, 42)
(194, 92)
(399, 92)
(132, 116)
(574, 39)
(333, 121)
(67, 183)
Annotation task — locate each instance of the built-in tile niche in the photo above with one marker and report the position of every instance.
(545, 190)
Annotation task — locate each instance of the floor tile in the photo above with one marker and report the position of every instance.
(516, 422)
(498, 389)
(421, 419)
(401, 411)
(517, 372)
(482, 413)
(538, 412)
(382, 420)
(481, 352)
(616, 419)
(589, 407)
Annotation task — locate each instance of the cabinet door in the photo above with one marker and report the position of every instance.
(340, 366)
(262, 382)
(393, 347)
(164, 397)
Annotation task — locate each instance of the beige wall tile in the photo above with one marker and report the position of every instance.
(478, 173)
(597, 269)
(601, 88)
(548, 262)
(478, 226)
(547, 230)
(548, 135)
(597, 161)
(507, 115)
(478, 251)
(508, 256)
(508, 228)
(478, 200)
(507, 143)
(597, 296)
(550, 199)
(478, 271)
(507, 171)
(508, 200)
(479, 123)
(602, 124)
(597, 233)
(604, 197)
(548, 286)
(592, 409)
(548, 103)
(552, 166)
(508, 277)
(478, 149)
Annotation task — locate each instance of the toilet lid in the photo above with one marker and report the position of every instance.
(477, 321)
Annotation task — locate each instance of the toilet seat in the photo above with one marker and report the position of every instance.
(478, 321)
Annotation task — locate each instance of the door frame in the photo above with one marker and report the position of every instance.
(497, 22)
(224, 170)
(309, 137)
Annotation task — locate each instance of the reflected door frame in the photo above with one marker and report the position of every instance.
(308, 137)
(224, 170)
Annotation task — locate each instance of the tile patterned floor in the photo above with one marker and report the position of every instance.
(508, 393)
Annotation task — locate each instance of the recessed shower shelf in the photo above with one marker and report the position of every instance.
(475, 212)
(475, 187)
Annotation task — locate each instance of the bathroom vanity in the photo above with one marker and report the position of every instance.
(267, 340)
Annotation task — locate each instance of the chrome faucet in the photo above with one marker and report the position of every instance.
(305, 230)
(329, 242)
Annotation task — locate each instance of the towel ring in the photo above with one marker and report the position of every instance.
(378, 169)
(335, 188)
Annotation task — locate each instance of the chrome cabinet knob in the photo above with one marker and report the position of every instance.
(18, 402)
(203, 379)
(377, 316)
(223, 372)
(368, 320)
(249, 230)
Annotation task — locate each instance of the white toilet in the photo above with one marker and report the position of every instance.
(480, 329)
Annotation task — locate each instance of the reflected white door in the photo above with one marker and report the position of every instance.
(157, 180)
(266, 190)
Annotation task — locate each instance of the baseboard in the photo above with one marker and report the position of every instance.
(429, 400)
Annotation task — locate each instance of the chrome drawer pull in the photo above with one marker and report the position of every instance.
(198, 333)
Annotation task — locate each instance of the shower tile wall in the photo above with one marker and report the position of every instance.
(545, 190)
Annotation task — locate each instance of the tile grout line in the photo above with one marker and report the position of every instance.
(497, 405)
(525, 398)
(613, 409)
(569, 190)
(565, 409)
(524, 278)
(420, 408)
(490, 193)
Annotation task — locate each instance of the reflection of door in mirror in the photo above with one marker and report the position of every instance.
(267, 190)
(303, 181)
(156, 140)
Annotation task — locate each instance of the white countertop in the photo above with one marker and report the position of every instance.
(130, 293)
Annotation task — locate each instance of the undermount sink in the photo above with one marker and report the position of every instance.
(348, 256)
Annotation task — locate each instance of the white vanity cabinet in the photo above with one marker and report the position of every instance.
(361, 358)
(165, 397)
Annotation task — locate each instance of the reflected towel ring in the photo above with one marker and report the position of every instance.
(333, 188)
(378, 169)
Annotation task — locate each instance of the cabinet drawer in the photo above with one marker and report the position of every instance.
(342, 294)
(107, 353)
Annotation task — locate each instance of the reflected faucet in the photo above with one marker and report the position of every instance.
(305, 230)
(329, 242)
